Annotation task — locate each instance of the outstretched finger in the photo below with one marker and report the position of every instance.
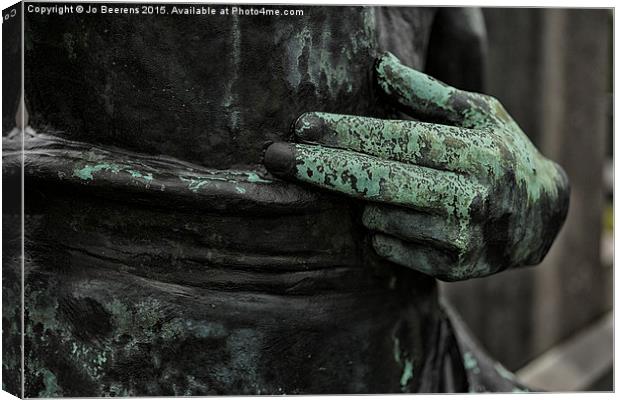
(429, 99)
(371, 178)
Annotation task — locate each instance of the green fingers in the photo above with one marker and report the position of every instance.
(433, 230)
(413, 89)
(432, 145)
(429, 99)
(371, 178)
(464, 194)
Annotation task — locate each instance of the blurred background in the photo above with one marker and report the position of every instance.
(553, 324)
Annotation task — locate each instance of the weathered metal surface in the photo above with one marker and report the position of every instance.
(464, 201)
(163, 258)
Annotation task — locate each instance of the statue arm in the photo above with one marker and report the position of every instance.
(457, 48)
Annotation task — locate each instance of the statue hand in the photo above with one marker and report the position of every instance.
(466, 197)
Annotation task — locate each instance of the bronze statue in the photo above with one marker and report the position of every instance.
(182, 239)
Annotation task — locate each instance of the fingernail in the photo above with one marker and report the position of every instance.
(384, 71)
(309, 127)
(385, 58)
(382, 245)
(390, 56)
(280, 159)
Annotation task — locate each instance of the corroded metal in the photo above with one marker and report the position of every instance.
(164, 258)
(463, 200)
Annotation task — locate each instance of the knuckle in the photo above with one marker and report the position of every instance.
(307, 126)
(371, 217)
(491, 100)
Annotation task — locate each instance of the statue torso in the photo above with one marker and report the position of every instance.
(292, 301)
(211, 90)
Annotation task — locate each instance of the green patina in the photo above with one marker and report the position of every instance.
(442, 147)
(479, 165)
(470, 362)
(134, 325)
(194, 184)
(86, 172)
(407, 364)
(309, 57)
(333, 66)
(369, 37)
(504, 373)
(496, 130)
(414, 86)
(407, 373)
(373, 178)
(254, 178)
(148, 177)
(294, 50)
(43, 314)
(420, 188)
(52, 389)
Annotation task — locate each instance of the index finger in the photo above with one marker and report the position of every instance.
(370, 178)
(442, 147)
